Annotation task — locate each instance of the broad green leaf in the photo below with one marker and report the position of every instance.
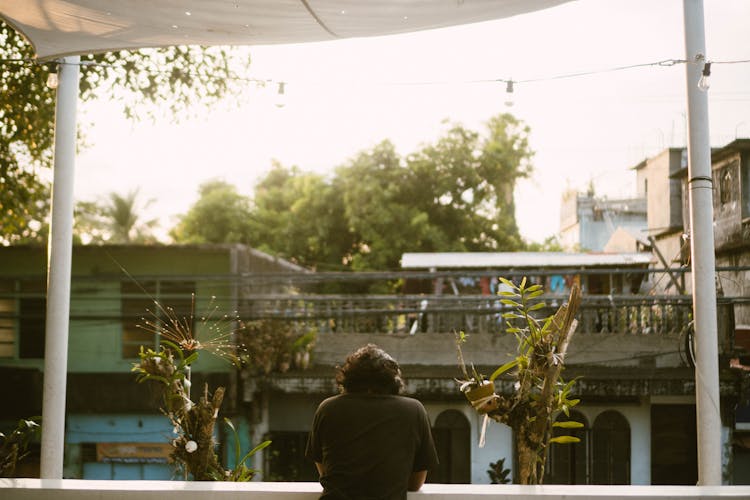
(565, 440)
(568, 424)
(507, 366)
(252, 452)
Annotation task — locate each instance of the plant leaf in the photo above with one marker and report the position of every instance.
(565, 440)
(568, 424)
(252, 452)
(507, 366)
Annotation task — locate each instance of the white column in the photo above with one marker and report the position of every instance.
(59, 258)
(703, 260)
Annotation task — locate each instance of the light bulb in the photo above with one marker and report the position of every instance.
(280, 96)
(704, 83)
(52, 79)
(509, 97)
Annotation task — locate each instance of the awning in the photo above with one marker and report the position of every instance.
(63, 27)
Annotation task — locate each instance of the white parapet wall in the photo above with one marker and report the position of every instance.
(75, 489)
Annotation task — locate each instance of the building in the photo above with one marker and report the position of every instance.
(113, 426)
(587, 222)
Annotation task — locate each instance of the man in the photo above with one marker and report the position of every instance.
(369, 442)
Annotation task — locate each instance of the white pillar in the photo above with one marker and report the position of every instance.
(59, 259)
(703, 259)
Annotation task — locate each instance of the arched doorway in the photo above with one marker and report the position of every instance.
(611, 449)
(568, 463)
(452, 434)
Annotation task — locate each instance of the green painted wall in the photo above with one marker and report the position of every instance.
(95, 328)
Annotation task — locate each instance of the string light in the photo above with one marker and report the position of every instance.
(280, 96)
(52, 80)
(704, 82)
(510, 84)
(509, 97)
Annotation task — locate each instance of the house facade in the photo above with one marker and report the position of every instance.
(636, 382)
(113, 426)
(587, 222)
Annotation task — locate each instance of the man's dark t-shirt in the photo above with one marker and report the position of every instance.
(369, 444)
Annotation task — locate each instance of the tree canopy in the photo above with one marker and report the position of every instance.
(187, 74)
(453, 195)
(221, 215)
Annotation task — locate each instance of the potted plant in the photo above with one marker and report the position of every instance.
(539, 392)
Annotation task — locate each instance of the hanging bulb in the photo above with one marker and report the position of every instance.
(52, 76)
(280, 96)
(704, 82)
(509, 97)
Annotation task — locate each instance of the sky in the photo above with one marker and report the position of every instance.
(345, 96)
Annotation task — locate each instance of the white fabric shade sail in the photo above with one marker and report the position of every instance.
(64, 27)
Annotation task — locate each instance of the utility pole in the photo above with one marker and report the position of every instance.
(703, 258)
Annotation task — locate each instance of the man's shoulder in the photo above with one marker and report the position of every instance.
(388, 399)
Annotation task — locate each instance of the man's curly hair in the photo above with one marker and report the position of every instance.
(370, 369)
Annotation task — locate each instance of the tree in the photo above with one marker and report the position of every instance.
(115, 221)
(221, 215)
(300, 216)
(382, 212)
(453, 195)
(187, 74)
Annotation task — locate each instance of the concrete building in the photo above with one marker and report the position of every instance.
(587, 222)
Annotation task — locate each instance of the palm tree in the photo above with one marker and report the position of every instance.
(115, 221)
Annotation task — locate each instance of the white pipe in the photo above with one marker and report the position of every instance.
(702, 253)
(59, 261)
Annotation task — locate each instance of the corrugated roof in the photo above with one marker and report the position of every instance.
(501, 260)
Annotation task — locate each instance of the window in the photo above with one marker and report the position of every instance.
(141, 316)
(7, 321)
(32, 318)
(23, 309)
(453, 445)
(611, 449)
(136, 301)
(285, 460)
(673, 445)
(725, 186)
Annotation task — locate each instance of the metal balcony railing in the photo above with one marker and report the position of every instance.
(411, 314)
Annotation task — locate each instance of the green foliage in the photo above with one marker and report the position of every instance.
(300, 217)
(498, 473)
(15, 446)
(550, 244)
(453, 195)
(194, 447)
(241, 472)
(116, 220)
(275, 346)
(221, 215)
(170, 78)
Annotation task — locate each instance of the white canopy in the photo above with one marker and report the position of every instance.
(63, 27)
